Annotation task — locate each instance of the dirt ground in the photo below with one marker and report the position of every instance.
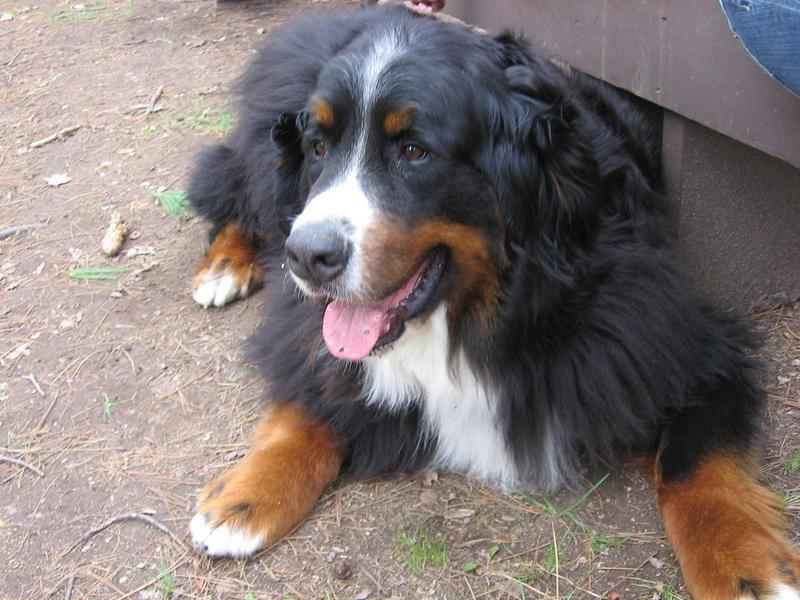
(123, 396)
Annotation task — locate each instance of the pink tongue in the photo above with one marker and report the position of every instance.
(351, 330)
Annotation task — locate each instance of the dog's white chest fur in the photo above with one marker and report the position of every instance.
(458, 409)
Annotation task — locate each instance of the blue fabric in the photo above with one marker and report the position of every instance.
(770, 31)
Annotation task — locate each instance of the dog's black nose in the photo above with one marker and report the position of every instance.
(317, 254)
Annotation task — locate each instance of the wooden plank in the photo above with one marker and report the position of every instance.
(680, 55)
(673, 132)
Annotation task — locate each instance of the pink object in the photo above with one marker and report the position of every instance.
(352, 329)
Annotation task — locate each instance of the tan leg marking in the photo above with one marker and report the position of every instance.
(272, 489)
(728, 533)
(228, 271)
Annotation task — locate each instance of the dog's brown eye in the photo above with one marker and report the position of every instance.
(319, 149)
(413, 152)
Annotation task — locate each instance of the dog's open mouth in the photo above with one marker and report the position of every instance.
(353, 330)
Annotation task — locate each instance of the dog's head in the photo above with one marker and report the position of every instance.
(428, 157)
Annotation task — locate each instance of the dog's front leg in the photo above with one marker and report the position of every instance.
(230, 269)
(272, 489)
(728, 532)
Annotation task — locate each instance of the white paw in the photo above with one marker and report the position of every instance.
(222, 540)
(218, 289)
(781, 591)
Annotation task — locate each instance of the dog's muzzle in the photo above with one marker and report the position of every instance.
(318, 253)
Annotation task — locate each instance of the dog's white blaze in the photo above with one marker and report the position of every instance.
(370, 75)
(345, 200)
(459, 410)
(347, 203)
(370, 80)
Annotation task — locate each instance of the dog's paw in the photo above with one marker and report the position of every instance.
(782, 591)
(223, 539)
(234, 516)
(728, 533)
(268, 493)
(228, 272)
(214, 287)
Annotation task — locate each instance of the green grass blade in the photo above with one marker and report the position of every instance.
(591, 491)
(96, 273)
(174, 202)
(224, 124)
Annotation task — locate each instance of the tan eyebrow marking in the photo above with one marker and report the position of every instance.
(398, 121)
(323, 111)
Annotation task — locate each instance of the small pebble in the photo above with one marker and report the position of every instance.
(342, 571)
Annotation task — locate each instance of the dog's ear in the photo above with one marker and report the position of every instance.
(287, 133)
(288, 130)
(547, 122)
(545, 159)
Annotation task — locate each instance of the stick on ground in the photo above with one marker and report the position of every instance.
(9, 231)
(119, 518)
(21, 463)
(32, 378)
(153, 99)
(58, 135)
(70, 587)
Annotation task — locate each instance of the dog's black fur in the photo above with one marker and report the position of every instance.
(595, 337)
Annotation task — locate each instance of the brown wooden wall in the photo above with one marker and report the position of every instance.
(679, 54)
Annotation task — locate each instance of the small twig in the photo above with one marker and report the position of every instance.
(184, 385)
(137, 107)
(175, 180)
(59, 135)
(56, 586)
(469, 587)
(8, 63)
(9, 231)
(787, 401)
(130, 360)
(46, 414)
(119, 518)
(21, 463)
(791, 332)
(70, 584)
(32, 378)
(527, 586)
(153, 99)
(634, 571)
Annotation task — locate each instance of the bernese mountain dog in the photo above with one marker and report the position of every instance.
(468, 266)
